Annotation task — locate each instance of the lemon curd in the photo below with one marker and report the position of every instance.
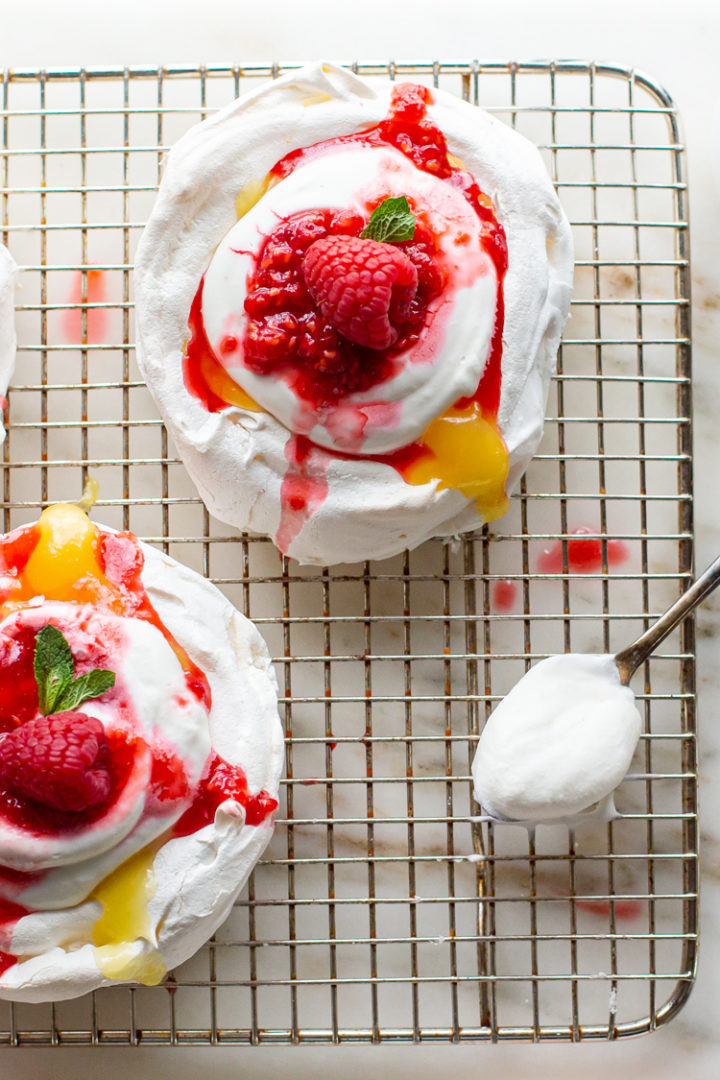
(125, 895)
(465, 452)
(64, 564)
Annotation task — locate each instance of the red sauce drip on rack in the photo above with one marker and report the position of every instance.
(584, 553)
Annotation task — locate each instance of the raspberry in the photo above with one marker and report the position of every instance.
(60, 761)
(362, 287)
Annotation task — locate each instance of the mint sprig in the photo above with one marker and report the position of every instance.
(391, 222)
(54, 667)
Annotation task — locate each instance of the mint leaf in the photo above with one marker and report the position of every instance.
(53, 666)
(91, 684)
(391, 222)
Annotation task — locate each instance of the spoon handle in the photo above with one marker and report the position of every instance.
(629, 659)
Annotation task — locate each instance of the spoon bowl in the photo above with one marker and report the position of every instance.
(627, 662)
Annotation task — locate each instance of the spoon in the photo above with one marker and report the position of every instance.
(568, 729)
(628, 660)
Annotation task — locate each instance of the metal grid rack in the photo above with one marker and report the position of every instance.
(386, 908)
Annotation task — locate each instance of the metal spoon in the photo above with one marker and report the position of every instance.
(627, 661)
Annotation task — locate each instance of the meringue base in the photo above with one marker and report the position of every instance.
(189, 882)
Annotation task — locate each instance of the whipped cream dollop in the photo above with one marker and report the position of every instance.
(173, 888)
(151, 708)
(8, 340)
(240, 457)
(559, 742)
(445, 364)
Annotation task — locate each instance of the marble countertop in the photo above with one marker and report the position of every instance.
(679, 51)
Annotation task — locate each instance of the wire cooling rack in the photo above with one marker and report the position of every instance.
(386, 908)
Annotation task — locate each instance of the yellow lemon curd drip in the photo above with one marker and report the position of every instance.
(467, 454)
(251, 193)
(124, 895)
(64, 564)
(218, 380)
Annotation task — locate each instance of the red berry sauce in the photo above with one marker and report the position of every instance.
(504, 596)
(287, 336)
(121, 560)
(10, 915)
(584, 554)
(224, 781)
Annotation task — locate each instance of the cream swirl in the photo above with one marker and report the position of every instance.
(447, 361)
(150, 709)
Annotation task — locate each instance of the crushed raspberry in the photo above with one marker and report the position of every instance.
(60, 761)
(362, 287)
(413, 132)
(288, 334)
(224, 781)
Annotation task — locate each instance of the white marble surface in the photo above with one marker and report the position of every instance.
(678, 46)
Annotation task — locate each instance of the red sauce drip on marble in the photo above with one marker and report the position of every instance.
(584, 553)
(224, 781)
(625, 910)
(409, 129)
(504, 596)
(96, 317)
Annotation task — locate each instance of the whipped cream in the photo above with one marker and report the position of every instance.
(560, 742)
(448, 360)
(8, 341)
(195, 878)
(237, 457)
(150, 699)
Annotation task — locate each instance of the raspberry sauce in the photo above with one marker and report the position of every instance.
(224, 781)
(504, 596)
(10, 915)
(584, 554)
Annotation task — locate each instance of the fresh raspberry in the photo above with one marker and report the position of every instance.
(60, 761)
(363, 287)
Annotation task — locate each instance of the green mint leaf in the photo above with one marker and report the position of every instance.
(58, 690)
(53, 666)
(391, 222)
(90, 685)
